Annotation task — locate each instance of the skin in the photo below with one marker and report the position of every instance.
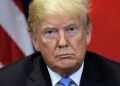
(62, 41)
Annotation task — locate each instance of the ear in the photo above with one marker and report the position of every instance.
(35, 42)
(88, 35)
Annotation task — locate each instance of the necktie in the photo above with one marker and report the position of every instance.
(66, 81)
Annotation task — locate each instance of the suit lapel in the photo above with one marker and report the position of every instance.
(94, 72)
(90, 74)
(40, 75)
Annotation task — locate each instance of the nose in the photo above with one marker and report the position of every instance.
(62, 42)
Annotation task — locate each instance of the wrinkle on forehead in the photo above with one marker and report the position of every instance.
(59, 21)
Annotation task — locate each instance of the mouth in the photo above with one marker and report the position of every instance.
(65, 56)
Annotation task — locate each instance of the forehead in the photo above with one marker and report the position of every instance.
(59, 21)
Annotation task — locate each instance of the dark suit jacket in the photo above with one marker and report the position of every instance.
(32, 71)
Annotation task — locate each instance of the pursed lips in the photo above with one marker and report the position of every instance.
(65, 56)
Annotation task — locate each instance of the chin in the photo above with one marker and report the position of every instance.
(66, 66)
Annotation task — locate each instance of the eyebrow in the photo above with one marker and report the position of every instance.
(49, 28)
(67, 25)
(71, 25)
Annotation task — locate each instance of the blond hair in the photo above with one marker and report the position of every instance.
(39, 9)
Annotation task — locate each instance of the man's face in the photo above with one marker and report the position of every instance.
(62, 42)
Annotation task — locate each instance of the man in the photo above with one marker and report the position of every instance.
(61, 31)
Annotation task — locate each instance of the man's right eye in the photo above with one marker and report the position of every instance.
(50, 33)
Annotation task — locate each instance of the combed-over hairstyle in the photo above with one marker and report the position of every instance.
(39, 9)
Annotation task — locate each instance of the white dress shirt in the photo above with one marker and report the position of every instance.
(76, 77)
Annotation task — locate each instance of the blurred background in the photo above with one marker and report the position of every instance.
(15, 42)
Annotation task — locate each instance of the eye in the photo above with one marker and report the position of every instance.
(72, 30)
(50, 33)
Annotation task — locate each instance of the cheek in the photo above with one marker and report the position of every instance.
(47, 49)
(46, 46)
(79, 45)
(80, 40)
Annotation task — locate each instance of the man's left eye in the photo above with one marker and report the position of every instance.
(72, 30)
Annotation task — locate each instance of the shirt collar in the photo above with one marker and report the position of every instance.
(76, 77)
